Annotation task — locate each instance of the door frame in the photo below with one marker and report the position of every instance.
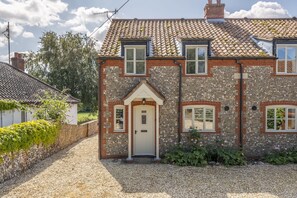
(138, 103)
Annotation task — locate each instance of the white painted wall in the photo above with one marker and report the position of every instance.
(15, 116)
(71, 115)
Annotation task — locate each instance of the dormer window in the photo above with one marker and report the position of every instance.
(196, 60)
(135, 60)
(287, 61)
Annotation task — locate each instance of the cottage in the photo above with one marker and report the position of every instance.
(17, 85)
(234, 80)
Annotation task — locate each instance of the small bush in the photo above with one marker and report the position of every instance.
(180, 156)
(6, 105)
(282, 157)
(201, 156)
(24, 135)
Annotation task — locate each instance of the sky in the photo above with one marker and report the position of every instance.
(29, 19)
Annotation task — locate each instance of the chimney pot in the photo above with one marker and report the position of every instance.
(214, 12)
(18, 62)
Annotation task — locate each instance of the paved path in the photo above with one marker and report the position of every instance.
(76, 172)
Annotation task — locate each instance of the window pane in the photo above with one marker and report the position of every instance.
(199, 113)
(191, 67)
(270, 124)
(140, 54)
(201, 67)
(291, 66)
(130, 54)
(209, 114)
(130, 67)
(280, 113)
(188, 118)
(209, 125)
(280, 119)
(291, 124)
(201, 53)
(270, 113)
(281, 66)
(280, 124)
(119, 119)
(291, 53)
(140, 68)
(191, 54)
(281, 53)
(291, 113)
(198, 124)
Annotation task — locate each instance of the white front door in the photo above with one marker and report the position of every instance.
(144, 130)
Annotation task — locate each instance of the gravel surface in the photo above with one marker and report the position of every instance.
(76, 172)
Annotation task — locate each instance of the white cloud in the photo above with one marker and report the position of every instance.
(261, 9)
(32, 12)
(83, 17)
(28, 35)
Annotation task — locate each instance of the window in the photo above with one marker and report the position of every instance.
(196, 60)
(201, 118)
(119, 118)
(281, 118)
(135, 60)
(287, 63)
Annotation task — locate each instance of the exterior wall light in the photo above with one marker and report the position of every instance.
(143, 101)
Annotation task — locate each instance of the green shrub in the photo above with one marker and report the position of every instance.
(201, 156)
(52, 106)
(83, 117)
(230, 157)
(183, 157)
(282, 157)
(6, 105)
(24, 135)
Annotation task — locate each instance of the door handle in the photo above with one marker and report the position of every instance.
(135, 131)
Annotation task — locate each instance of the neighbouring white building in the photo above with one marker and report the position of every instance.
(17, 85)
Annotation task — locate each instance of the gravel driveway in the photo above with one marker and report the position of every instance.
(76, 172)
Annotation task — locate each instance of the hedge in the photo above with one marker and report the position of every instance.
(6, 105)
(24, 135)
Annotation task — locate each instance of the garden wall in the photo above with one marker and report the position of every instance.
(16, 163)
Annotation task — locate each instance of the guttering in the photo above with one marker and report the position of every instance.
(179, 100)
(240, 103)
(99, 109)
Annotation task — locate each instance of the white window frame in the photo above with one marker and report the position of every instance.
(204, 117)
(196, 47)
(286, 107)
(286, 60)
(134, 47)
(122, 107)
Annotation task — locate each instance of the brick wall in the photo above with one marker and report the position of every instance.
(219, 86)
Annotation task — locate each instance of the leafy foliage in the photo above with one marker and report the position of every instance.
(22, 136)
(282, 157)
(86, 117)
(183, 157)
(193, 154)
(201, 156)
(226, 156)
(6, 105)
(68, 62)
(52, 107)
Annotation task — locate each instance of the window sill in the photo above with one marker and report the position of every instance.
(280, 132)
(135, 75)
(285, 74)
(196, 75)
(119, 131)
(208, 132)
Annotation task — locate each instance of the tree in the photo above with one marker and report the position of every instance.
(67, 62)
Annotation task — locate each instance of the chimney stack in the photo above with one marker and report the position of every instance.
(214, 12)
(18, 62)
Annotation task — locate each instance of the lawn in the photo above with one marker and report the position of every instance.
(86, 116)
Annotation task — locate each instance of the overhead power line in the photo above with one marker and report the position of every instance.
(108, 17)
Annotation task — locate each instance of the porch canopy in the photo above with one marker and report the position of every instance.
(143, 91)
